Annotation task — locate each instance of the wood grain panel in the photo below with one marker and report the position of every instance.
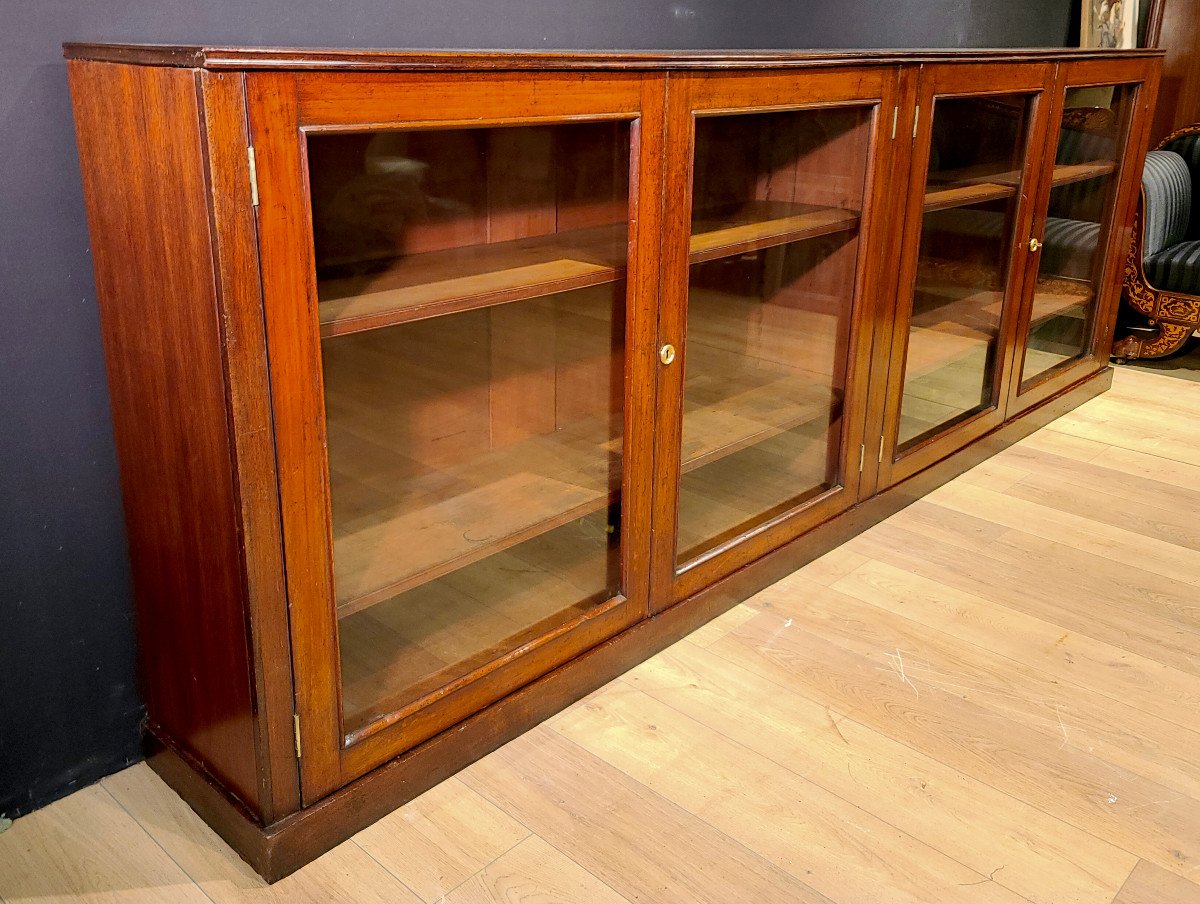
(154, 265)
(244, 347)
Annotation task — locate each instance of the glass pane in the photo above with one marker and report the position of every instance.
(774, 251)
(972, 191)
(1090, 144)
(472, 301)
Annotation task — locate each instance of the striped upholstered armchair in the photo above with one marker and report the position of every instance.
(1162, 272)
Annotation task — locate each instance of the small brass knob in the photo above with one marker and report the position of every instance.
(666, 354)
(1034, 245)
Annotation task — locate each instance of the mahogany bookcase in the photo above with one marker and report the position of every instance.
(447, 386)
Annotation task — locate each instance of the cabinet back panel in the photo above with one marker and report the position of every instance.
(380, 195)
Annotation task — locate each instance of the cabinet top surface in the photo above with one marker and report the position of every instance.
(328, 58)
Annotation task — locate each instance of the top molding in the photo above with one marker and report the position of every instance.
(201, 57)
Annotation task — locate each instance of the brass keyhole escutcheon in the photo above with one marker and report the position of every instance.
(666, 354)
(1034, 245)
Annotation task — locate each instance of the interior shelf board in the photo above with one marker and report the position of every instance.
(750, 417)
(944, 197)
(521, 503)
(510, 503)
(959, 188)
(475, 276)
(1066, 173)
(764, 224)
(1057, 298)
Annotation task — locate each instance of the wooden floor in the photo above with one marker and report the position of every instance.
(993, 696)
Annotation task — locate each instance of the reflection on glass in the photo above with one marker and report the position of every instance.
(972, 191)
(775, 225)
(1064, 301)
(471, 294)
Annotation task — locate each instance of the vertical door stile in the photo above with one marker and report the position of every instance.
(973, 174)
(769, 296)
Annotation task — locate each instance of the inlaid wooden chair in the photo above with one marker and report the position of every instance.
(1162, 271)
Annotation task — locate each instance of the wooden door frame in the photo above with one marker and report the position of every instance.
(952, 80)
(1116, 231)
(717, 93)
(282, 107)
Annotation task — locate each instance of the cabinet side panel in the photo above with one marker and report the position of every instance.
(143, 175)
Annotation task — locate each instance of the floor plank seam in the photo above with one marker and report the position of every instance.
(1121, 891)
(850, 804)
(721, 833)
(354, 841)
(104, 787)
(969, 778)
(1060, 677)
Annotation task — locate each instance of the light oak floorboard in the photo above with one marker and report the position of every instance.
(766, 806)
(533, 872)
(441, 839)
(223, 877)
(992, 696)
(631, 838)
(1030, 852)
(86, 848)
(1148, 884)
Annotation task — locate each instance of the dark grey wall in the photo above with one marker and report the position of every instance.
(68, 703)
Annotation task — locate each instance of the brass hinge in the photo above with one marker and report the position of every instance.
(895, 116)
(253, 178)
(296, 723)
(862, 457)
(916, 119)
(880, 459)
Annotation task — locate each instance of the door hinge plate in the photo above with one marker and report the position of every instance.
(862, 457)
(895, 117)
(296, 724)
(880, 459)
(916, 119)
(253, 175)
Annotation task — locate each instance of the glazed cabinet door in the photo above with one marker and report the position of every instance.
(976, 133)
(459, 275)
(1080, 233)
(771, 223)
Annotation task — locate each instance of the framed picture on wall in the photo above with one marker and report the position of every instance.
(1109, 24)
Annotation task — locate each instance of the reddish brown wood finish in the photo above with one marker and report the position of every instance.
(243, 344)
(946, 82)
(223, 457)
(1116, 230)
(281, 107)
(294, 59)
(698, 94)
(289, 844)
(143, 161)
(1174, 27)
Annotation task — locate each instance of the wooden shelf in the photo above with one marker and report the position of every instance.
(536, 486)
(476, 276)
(508, 496)
(960, 188)
(1065, 174)
(1056, 297)
(452, 517)
(944, 197)
(764, 224)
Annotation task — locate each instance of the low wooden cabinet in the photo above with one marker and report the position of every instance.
(448, 386)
